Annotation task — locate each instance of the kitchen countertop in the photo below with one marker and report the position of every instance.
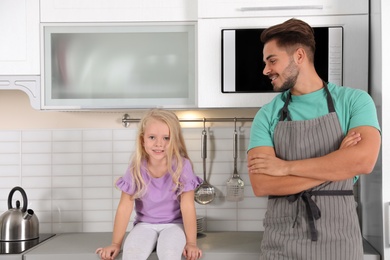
(215, 246)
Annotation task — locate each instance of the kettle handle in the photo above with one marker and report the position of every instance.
(24, 209)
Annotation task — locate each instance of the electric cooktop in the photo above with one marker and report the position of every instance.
(18, 247)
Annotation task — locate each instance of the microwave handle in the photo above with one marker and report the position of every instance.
(272, 8)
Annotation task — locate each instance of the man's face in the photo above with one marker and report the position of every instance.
(280, 67)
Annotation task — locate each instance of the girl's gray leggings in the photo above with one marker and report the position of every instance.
(142, 240)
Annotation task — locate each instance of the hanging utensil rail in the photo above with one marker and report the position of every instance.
(126, 120)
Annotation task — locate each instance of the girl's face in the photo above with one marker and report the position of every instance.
(156, 139)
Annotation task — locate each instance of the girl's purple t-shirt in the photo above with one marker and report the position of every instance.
(160, 204)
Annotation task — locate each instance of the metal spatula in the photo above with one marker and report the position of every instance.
(235, 185)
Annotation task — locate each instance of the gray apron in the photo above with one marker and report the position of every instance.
(316, 224)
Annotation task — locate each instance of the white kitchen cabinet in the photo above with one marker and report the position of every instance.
(19, 32)
(118, 65)
(265, 8)
(117, 10)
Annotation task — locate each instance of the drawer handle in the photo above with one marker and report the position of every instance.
(272, 8)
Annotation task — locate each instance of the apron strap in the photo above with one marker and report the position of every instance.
(312, 210)
(284, 114)
(284, 111)
(329, 99)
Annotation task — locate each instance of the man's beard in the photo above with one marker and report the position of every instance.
(292, 71)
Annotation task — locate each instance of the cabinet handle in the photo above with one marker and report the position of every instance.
(272, 8)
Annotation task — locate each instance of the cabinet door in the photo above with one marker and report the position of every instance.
(19, 30)
(88, 66)
(117, 10)
(265, 8)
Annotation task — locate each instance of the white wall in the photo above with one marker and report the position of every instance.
(68, 175)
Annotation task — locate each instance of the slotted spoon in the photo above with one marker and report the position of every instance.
(235, 185)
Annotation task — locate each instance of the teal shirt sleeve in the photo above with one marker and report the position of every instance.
(363, 111)
(261, 133)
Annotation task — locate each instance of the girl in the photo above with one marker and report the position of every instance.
(160, 183)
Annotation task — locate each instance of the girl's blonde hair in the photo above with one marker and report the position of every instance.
(176, 150)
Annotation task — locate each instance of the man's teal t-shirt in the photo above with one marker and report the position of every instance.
(354, 108)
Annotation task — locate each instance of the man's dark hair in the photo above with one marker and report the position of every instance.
(291, 33)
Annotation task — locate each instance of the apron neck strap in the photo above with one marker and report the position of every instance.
(284, 114)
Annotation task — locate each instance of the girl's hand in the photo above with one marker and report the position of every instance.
(109, 252)
(350, 139)
(192, 252)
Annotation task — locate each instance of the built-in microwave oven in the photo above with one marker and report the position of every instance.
(242, 59)
(352, 31)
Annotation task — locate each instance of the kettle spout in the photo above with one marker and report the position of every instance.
(28, 214)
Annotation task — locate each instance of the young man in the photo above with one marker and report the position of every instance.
(306, 147)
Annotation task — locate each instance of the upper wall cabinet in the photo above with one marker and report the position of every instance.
(264, 8)
(117, 10)
(19, 32)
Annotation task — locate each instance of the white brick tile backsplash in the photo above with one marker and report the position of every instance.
(36, 135)
(123, 146)
(69, 176)
(124, 134)
(36, 159)
(67, 204)
(97, 181)
(97, 204)
(97, 146)
(70, 227)
(121, 158)
(10, 170)
(36, 170)
(67, 216)
(91, 158)
(67, 169)
(9, 159)
(67, 181)
(67, 193)
(32, 182)
(67, 135)
(67, 158)
(9, 182)
(97, 193)
(36, 147)
(97, 216)
(10, 136)
(10, 147)
(97, 135)
(97, 169)
(67, 147)
(221, 225)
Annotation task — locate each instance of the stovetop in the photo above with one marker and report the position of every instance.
(17, 247)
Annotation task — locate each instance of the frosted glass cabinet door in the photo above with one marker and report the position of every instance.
(119, 66)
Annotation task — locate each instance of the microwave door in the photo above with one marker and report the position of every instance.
(242, 59)
(242, 62)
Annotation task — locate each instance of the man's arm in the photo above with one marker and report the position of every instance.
(270, 175)
(263, 184)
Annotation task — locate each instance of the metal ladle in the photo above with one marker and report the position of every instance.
(205, 193)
